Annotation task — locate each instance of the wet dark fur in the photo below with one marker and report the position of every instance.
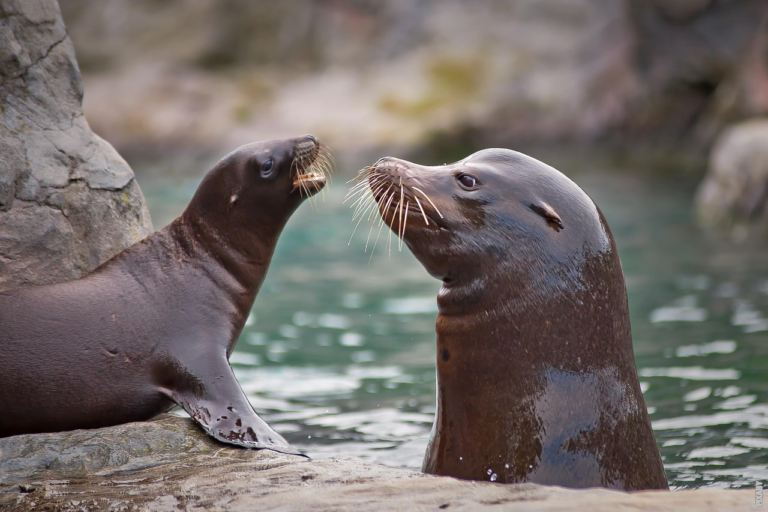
(155, 325)
(535, 371)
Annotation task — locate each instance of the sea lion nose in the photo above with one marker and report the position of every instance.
(312, 138)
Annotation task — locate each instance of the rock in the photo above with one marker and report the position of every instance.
(734, 194)
(703, 65)
(407, 73)
(395, 72)
(68, 201)
(170, 464)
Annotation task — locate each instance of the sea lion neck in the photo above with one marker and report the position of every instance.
(498, 287)
(245, 257)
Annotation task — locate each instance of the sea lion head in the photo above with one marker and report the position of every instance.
(256, 187)
(495, 218)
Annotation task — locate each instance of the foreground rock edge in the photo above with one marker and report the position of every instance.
(170, 464)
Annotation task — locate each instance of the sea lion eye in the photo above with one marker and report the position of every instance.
(467, 181)
(266, 168)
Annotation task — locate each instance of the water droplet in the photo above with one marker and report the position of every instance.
(494, 477)
(506, 466)
(490, 471)
(461, 458)
(530, 466)
(309, 437)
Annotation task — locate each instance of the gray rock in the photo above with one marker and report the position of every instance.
(170, 464)
(68, 201)
(734, 194)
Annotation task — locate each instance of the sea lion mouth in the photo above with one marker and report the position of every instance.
(380, 189)
(312, 164)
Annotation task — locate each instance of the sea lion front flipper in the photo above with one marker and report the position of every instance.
(219, 405)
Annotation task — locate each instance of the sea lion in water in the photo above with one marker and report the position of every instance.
(536, 379)
(155, 325)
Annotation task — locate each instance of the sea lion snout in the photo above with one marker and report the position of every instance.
(311, 163)
(400, 189)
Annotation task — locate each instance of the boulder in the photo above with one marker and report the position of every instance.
(170, 464)
(733, 197)
(68, 201)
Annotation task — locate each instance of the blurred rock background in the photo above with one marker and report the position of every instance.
(363, 72)
(660, 76)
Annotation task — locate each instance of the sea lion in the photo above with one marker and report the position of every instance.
(536, 380)
(155, 325)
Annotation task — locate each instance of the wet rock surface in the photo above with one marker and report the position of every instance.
(170, 464)
(68, 201)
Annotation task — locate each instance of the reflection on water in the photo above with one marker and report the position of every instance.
(339, 352)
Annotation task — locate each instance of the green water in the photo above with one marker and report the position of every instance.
(338, 354)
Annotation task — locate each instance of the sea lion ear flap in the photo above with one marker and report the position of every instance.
(549, 214)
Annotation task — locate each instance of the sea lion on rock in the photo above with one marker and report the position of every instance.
(155, 325)
(536, 379)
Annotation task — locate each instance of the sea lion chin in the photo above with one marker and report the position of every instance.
(536, 380)
(154, 326)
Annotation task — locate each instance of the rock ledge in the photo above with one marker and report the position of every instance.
(170, 464)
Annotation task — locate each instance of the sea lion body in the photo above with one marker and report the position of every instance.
(536, 378)
(155, 325)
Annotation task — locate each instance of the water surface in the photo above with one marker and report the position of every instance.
(338, 354)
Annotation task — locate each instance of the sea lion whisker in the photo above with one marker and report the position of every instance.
(364, 206)
(374, 223)
(365, 194)
(327, 154)
(405, 223)
(386, 206)
(376, 186)
(352, 194)
(378, 204)
(381, 226)
(362, 187)
(400, 210)
(362, 173)
(382, 220)
(422, 210)
(371, 204)
(430, 201)
(368, 195)
(368, 183)
(359, 204)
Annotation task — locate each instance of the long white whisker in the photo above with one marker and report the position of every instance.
(381, 224)
(430, 201)
(421, 209)
(383, 195)
(376, 242)
(371, 204)
(400, 213)
(405, 224)
(369, 183)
